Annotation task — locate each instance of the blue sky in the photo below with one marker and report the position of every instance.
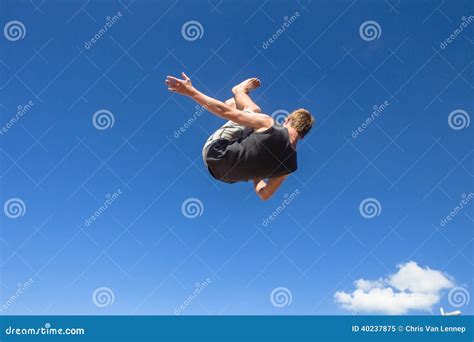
(142, 248)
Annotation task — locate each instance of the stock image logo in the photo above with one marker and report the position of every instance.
(287, 22)
(103, 297)
(280, 115)
(287, 199)
(199, 110)
(465, 22)
(370, 30)
(14, 30)
(199, 289)
(281, 297)
(192, 30)
(465, 200)
(103, 119)
(109, 200)
(459, 119)
(458, 297)
(192, 208)
(376, 111)
(109, 22)
(21, 288)
(14, 208)
(20, 112)
(370, 208)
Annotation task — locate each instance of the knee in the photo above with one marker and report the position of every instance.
(230, 102)
(255, 109)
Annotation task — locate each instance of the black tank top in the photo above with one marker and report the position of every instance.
(258, 155)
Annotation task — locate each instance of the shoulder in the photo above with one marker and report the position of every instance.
(266, 122)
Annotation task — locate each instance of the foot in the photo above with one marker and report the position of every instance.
(247, 85)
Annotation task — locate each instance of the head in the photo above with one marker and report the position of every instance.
(301, 121)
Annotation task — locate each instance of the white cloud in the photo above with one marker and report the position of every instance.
(367, 285)
(410, 288)
(411, 277)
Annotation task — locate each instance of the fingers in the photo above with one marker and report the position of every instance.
(173, 80)
(172, 83)
(185, 76)
(171, 87)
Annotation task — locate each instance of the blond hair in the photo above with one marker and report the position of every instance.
(302, 121)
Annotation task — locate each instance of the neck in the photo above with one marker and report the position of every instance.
(293, 136)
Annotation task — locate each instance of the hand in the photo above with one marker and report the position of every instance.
(183, 87)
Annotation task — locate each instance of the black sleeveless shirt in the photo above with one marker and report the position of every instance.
(258, 155)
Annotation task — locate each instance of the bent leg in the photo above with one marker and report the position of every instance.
(244, 102)
(241, 95)
(231, 102)
(229, 131)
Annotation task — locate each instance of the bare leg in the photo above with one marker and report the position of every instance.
(241, 95)
(230, 131)
(231, 102)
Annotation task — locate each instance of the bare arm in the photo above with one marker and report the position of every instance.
(219, 108)
(265, 190)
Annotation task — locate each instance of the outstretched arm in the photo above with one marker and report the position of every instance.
(265, 190)
(219, 108)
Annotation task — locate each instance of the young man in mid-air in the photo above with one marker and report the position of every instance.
(250, 146)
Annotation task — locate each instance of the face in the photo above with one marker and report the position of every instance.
(287, 124)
